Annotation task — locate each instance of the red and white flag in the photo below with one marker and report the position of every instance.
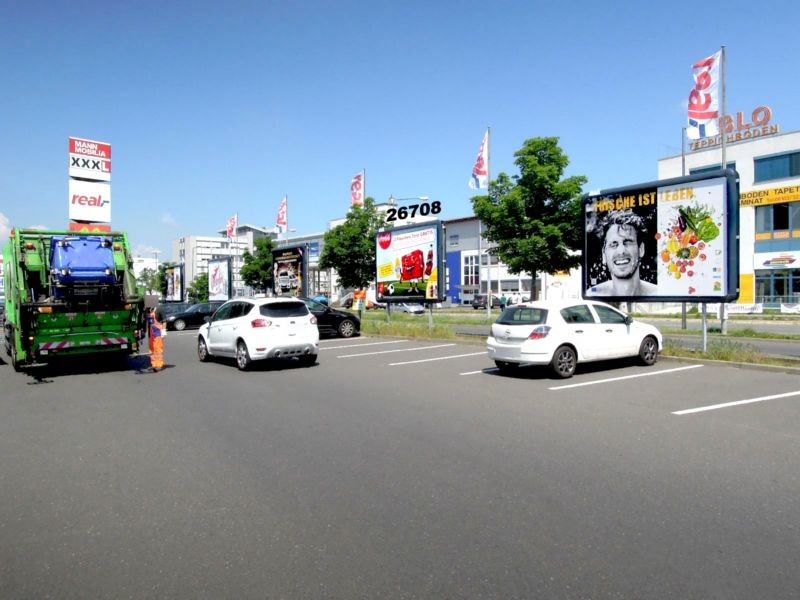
(282, 222)
(357, 189)
(233, 223)
(704, 98)
(480, 172)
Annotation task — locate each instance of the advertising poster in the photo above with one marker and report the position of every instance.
(409, 264)
(289, 270)
(219, 279)
(671, 240)
(174, 277)
(89, 159)
(89, 201)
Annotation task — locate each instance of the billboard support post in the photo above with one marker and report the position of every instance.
(705, 329)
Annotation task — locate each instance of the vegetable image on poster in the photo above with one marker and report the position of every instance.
(691, 239)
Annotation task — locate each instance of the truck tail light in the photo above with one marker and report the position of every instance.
(539, 333)
(260, 323)
(46, 309)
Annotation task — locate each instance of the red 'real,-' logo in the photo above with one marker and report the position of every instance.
(89, 200)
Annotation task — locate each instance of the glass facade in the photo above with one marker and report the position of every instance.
(777, 167)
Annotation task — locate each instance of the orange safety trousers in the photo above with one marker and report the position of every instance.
(157, 352)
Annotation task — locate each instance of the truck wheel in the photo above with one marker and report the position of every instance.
(14, 362)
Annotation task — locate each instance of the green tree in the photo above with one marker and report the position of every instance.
(198, 290)
(257, 268)
(148, 279)
(534, 218)
(350, 247)
(162, 280)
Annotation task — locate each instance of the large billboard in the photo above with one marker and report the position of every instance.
(289, 271)
(219, 279)
(409, 263)
(174, 277)
(672, 240)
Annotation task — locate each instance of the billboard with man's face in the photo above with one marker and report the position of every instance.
(410, 263)
(672, 240)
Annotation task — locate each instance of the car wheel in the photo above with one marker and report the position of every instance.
(564, 362)
(648, 351)
(347, 328)
(243, 360)
(506, 367)
(307, 360)
(179, 325)
(202, 350)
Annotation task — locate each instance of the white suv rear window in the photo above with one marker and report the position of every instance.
(277, 310)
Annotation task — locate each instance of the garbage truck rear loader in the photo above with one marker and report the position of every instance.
(69, 294)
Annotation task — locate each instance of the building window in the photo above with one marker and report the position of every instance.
(777, 167)
(454, 239)
(778, 217)
(701, 170)
(471, 271)
(780, 285)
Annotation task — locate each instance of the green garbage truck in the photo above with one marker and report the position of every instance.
(69, 294)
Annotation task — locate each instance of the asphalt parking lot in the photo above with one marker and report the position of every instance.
(399, 468)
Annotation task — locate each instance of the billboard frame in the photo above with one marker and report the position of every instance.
(227, 261)
(292, 255)
(730, 217)
(430, 295)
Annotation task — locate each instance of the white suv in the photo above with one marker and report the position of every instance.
(257, 329)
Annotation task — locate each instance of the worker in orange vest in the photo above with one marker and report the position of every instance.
(155, 332)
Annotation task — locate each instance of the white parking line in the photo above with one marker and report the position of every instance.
(736, 403)
(350, 339)
(649, 373)
(411, 362)
(488, 370)
(400, 350)
(321, 347)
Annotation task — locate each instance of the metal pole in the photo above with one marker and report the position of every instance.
(723, 321)
(683, 173)
(705, 329)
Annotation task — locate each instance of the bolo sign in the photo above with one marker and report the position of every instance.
(89, 159)
(89, 201)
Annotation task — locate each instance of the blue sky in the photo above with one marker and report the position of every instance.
(219, 108)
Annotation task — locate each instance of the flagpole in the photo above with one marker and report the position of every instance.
(488, 254)
(723, 321)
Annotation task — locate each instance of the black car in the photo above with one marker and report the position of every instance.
(164, 309)
(479, 301)
(194, 316)
(331, 321)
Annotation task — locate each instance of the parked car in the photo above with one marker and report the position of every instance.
(331, 321)
(479, 301)
(567, 332)
(410, 308)
(194, 316)
(164, 309)
(260, 329)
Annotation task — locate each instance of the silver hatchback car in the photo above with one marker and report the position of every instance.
(259, 329)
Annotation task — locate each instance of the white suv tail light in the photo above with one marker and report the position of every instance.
(260, 323)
